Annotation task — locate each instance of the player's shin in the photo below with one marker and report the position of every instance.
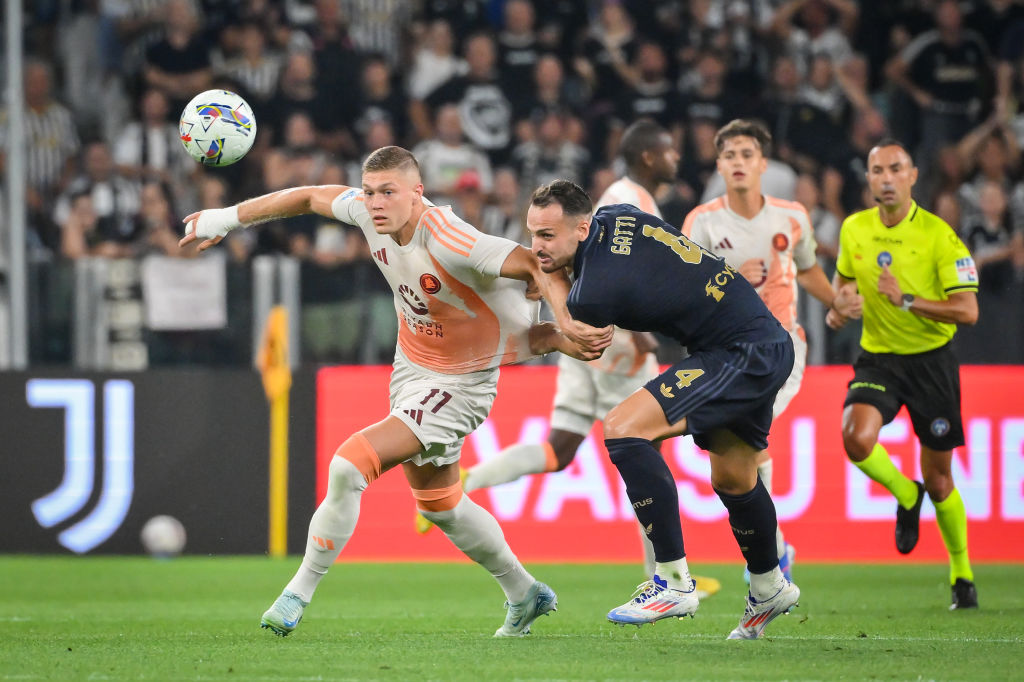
(335, 519)
(477, 534)
(652, 491)
(951, 517)
(753, 521)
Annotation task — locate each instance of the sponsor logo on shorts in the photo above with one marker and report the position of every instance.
(429, 283)
(940, 426)
(643, 503)
(884, 258)
(867, 384)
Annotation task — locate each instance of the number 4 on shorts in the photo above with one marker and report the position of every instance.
(687, 377)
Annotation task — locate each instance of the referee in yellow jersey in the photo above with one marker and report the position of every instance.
(918, 281)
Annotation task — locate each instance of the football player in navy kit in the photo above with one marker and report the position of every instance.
(634, 270)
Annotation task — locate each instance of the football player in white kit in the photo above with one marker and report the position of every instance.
(771, 242)
(586, 391)
(462, 314)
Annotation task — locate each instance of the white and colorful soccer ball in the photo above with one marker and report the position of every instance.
(163, 536)
(217, 128)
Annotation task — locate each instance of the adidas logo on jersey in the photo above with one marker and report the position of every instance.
(381, 255)
(724, 244)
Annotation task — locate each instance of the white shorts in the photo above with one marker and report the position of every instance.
(792, 385)
(585, 394)
(441, 409)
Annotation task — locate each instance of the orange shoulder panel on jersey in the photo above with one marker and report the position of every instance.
(446, 234)
(713, 205)
(645, 202)
(791, 205)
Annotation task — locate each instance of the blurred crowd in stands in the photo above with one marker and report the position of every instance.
(498, 96)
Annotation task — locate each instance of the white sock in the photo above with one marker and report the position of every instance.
(675, 573)
(475, 532)
(764, 472)
(511, 463)
(331, 526)
(648, 552)
(766, 585)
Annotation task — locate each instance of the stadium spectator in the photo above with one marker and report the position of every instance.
(550, 154)
(115, 198)
(380, 27)
(337, 69)
(256, 67)
(382, 99)
(485, 110)
(551, 91)
(989, 153)
(518, 49)
(179, 64)
(809, 28)
(445, 158)
(434, 61)
(915, 290)
(149, 146)
(948, 74)
(426, 442)
(503, 215)
(706, 96)
(650, 95)
(991, 238)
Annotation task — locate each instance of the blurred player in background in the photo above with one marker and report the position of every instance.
(638, 272)
(770, 241)
(462, 315)
(587, 390)
(918, 281)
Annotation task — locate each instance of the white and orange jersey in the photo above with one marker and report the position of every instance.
(780, 236)
(455, 313)
(626, 191)
(622, 356)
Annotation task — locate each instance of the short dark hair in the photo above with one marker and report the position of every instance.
(893, 142)
(390, 158)
(744, 127)
(641, 136)
(571, 197)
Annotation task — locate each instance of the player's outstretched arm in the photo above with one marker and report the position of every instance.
(213, 224)
(521, 264)
(847, 302)
(847, 289)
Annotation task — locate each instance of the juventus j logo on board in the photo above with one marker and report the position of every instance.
(77, 398)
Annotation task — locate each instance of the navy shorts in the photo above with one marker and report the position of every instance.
(726, 388)
(927, 383)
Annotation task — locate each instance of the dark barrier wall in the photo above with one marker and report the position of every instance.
(87, 459)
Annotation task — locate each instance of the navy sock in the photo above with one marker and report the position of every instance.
(753, 522)
(652, 490)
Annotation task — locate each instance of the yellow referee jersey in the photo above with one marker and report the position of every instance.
(926, 257)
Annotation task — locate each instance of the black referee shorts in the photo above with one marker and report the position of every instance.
(927, 383)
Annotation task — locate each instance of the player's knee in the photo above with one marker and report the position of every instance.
(344, 477)
(938, 484)
(439, 505)
(620, 422)
(858, 441)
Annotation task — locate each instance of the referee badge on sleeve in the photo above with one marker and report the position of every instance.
(966, 272)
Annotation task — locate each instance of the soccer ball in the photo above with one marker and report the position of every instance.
(163, 536)
(217, 128)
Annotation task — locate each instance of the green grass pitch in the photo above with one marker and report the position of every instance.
(65, 618)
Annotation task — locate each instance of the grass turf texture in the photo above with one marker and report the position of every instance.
(65, 618)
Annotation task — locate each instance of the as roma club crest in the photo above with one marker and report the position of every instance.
(430, 284)
(780, 242)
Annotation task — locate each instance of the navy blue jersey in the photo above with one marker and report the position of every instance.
(636, 271)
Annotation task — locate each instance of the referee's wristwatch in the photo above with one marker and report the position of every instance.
(908, 300)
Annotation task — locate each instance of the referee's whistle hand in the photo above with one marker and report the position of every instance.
(889, 287)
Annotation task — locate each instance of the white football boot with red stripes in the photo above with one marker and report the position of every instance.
(654, 600)
(758, 614)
